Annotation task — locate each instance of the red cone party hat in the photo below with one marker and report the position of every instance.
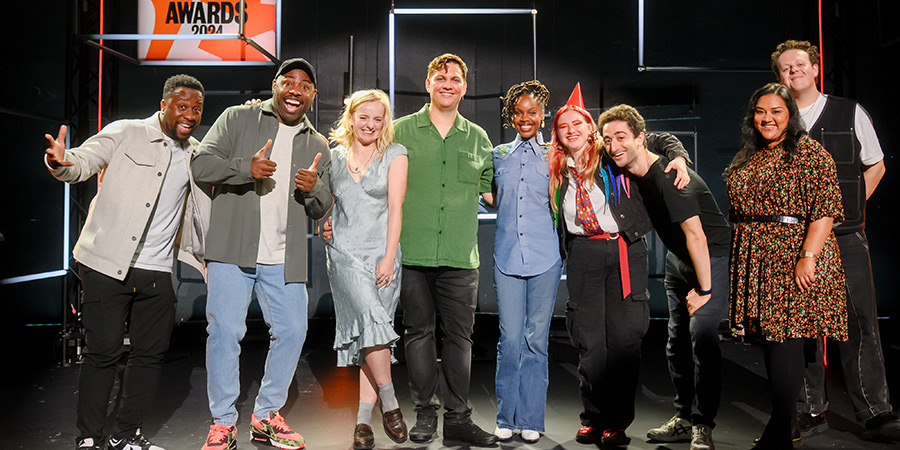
(576, 98)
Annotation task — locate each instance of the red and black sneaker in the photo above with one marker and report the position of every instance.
(586, 435)
(615, 437)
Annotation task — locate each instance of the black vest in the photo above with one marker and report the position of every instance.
(835, 131)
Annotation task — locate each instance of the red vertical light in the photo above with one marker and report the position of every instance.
(100, 90)
(821, 54)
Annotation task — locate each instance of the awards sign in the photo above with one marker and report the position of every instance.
(201, 18)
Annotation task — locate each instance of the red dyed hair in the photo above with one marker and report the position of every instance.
(559, 153)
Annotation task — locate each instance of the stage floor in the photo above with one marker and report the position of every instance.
(40, 400)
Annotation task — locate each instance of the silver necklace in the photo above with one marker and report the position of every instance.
(358, 168)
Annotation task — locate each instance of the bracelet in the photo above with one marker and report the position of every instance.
(806, 254)
(701, 292)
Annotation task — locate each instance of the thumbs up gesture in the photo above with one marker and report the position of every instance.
(262, 167)
(306, 178)
(56, 150)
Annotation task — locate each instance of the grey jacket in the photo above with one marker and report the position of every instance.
(136, 156)
(223, 160)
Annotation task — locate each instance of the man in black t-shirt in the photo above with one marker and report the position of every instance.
(698, 238)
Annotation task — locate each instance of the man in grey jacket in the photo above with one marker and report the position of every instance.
(148, 209)
(270, 169)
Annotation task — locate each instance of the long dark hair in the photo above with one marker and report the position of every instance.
(752, 140)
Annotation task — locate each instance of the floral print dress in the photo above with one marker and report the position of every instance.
(765, 297)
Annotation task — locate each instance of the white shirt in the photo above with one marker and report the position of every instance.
(275, 193)
(155, 249)
(870, 153)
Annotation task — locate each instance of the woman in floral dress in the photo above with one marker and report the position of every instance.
(787, 284)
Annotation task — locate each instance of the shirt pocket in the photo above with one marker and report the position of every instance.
(141, 158)
(468, 168)
(543, 169)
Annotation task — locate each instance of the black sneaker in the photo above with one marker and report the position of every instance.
(883, 428)
(89, 443)
(806, 426)
(469, 433)
(133, 442)
(424, 429)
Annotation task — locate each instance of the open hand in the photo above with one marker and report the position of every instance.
(681, 174)
(805, 273)
(56, 150)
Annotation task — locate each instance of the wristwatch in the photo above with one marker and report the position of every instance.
(806, 254)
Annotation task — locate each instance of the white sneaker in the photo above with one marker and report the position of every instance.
(134, 442)
(701, 438)
(504, 434)
(675, 429)
(88, 444)
(530, 436)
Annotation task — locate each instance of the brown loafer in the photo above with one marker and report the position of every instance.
(363, 438)
(394, 426)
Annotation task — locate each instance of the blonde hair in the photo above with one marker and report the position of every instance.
(342, 133)
(440, 63)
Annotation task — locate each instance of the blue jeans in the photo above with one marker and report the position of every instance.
(695, 359)
(526, 306)
(284, 308)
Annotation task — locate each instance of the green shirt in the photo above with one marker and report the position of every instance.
(446, 177)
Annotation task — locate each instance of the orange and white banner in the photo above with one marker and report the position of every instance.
(204, 17)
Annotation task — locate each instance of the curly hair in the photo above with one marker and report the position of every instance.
(533, 87)
(176, 81)
(751, 139)
(625, 113)
(440, 63)
(342, 133)
(559, 153)
(811, 50)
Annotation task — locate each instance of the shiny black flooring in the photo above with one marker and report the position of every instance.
(39, 395)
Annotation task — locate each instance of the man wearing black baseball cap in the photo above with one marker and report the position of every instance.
(270, 169)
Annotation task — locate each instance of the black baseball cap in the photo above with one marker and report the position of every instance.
(297, 63)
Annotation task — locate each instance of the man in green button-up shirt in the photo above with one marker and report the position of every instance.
(449, 166)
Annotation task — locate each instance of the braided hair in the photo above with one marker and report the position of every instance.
(533, 87)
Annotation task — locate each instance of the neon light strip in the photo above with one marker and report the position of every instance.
(32, 277)
(821, 59)
(440, 11)
(100, 84)
(640, 34)
(391, 61)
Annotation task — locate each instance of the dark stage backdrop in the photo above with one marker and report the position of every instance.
(592, 42)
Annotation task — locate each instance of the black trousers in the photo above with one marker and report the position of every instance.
(607, 331)
(695, 359)
(452, 293)
(862, 360)
(144, 305)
